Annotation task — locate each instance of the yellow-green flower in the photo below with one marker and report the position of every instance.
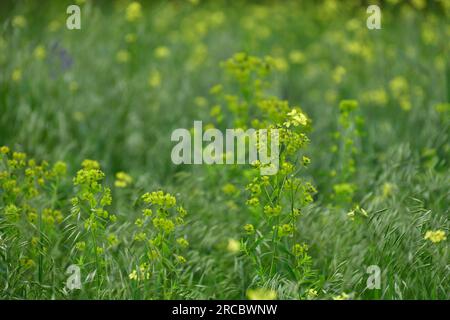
(297, 57)
(12, 212)
(50, 216)
(419, 4)
(299, 249)
(139, 222)
(27, 263)
(311, 294)
(90, 164)
(180, 259)
(154, 79)
(123, 56)
(233, 246)
(338, 74)
(81, 245)
(261, 294)
(32, 217)
(130, 37)
(134, 11)
(4, 150)
(161, 199)
(165, 225)
(216, 89)
(113, 240)
(122, 180)
(73, 86)
(285, 230)
(16, 75)
(280, 64)
(342, 296)
(252, 201)
(147, 212)
(306, 161)
(34, 241)
(388, 189)
(141, 236)
(351, 215)
(133, 275)
(229, 188)
(39, 52)
(183, 242)
(19, 22)
(435, 236)
(249, 229)
(272, 211)
(399, 86)
(142, 275)
(59, 169)
(162, 52)
(296, 118)
(54, 26)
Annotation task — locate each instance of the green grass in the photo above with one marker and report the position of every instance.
(79, 102)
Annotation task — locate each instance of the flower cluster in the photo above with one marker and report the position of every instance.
(275, 201)
(29, 192)
(90, 204)
(435, 236)
(133, 11)
(159, 227)
(159, 198)
(122, 180)
(261, 294)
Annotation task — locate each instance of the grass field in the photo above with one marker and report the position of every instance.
(92, 206)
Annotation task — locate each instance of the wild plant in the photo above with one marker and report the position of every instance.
(158, 247)
(91, 219)
(30, 220)
(346, 148)
(275, 202)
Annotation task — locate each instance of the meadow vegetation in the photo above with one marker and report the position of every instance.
(86, 176)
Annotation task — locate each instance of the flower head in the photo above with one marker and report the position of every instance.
(123, 56)
(162, 52)
(154, 79)
(182, 242)
(311, 294)
(249, 229)
(39, 52)
(4, 150)
(133, 275)
(90, 164)
(342, 296)
(134, 11)
(122, 180)
(16, 75)
(180, 259)
(233, 246)
(261, 294)
(19, 22)
(296, 118)
(435, 236)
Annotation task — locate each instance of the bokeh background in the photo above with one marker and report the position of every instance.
(116, 89)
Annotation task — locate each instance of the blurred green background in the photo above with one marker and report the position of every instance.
(116, 89)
